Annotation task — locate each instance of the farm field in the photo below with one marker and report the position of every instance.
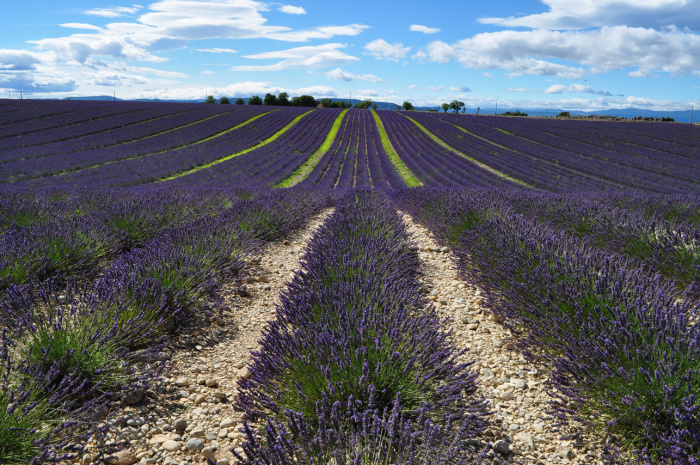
(270, 285)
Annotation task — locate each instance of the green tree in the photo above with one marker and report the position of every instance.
(210, 99)
(304, 101)
(225, 101)
(255, 100)
(240, 101)
(445, 106)
(283, 99)
(456, 105)
(364, 105)
(374, 106)
(564, 114)
(270, 99)
(408, 106)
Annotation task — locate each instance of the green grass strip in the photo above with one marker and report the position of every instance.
(272, 138)
(91, 167)
(405, 173)
(308, 166)
(476, 162)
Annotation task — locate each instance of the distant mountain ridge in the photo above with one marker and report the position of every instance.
(681, 116)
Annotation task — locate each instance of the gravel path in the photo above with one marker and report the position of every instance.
(188, 417)
(514, 386)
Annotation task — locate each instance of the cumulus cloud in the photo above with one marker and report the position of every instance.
(217, 50)
(18, 60)
(423, 29)
(312, 57)
(292, 10)
(81, 26)
(341, 75)
(560, 89)
(608, 48)
(316, 91)
(114, 11)
(460, 89)
(581, 14)
(381, 49)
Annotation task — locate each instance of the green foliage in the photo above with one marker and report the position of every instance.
(408, 106)
(329, 103)
(445, 107)
(364, 105)
(224, 101)
(270, 99)
(210, 99)
(19, 430)
(304, 101)
(240, 101)
(283, 99)
(564, 114)
(514, 113)
(255, 100)
(456, 105)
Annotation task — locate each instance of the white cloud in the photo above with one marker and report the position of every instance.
(316, 91)
(206, 71)
(412, 87)
(380, 48)
(217, 50)
(435, 88)
(608, 48)
(19, 60)
(312, 57)
(423, 29)
(292, 10)
(518, 89)
(341, 75)
(81, 26)
(113, 11)
(324, 32)
(460, 89)
(488, 75)
(559, 89)
(581, 14)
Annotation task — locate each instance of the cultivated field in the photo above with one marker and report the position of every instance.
(283, 285)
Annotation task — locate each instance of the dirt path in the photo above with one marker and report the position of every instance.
(188, 417)
(514, 386)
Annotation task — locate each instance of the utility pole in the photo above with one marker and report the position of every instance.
(691, 116)
(496, 110)
(115, 96)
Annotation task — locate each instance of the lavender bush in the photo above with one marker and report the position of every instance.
(355, 344)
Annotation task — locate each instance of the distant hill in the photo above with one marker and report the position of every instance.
(682, 116)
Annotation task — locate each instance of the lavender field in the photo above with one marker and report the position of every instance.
(125, 225)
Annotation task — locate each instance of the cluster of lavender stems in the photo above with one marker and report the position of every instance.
(355, 368)
(74, 346)
(623, 342)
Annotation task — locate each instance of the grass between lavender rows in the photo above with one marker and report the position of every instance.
(408, 177)
(66, 351)
(173, 148)
(270, 139)
(625, 354)
(308, 166)
(476, 162)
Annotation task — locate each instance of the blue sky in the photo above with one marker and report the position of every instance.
(569, 54)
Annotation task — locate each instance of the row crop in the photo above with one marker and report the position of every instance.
(623, 344)
(355, 367)
(68, 355)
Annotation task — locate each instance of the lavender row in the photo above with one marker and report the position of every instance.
(623, 345)
(356, 157)
(527, 166)
(186, 129)
(431, 163)
(92, 134)
(355, 364)
(599, 154)
(271, 164)
(67, 354)
(26, 110)
(156, 166)
(51, 128)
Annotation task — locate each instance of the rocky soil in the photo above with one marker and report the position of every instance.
(188, 417)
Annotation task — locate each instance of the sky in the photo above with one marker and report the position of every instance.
(567, 54)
